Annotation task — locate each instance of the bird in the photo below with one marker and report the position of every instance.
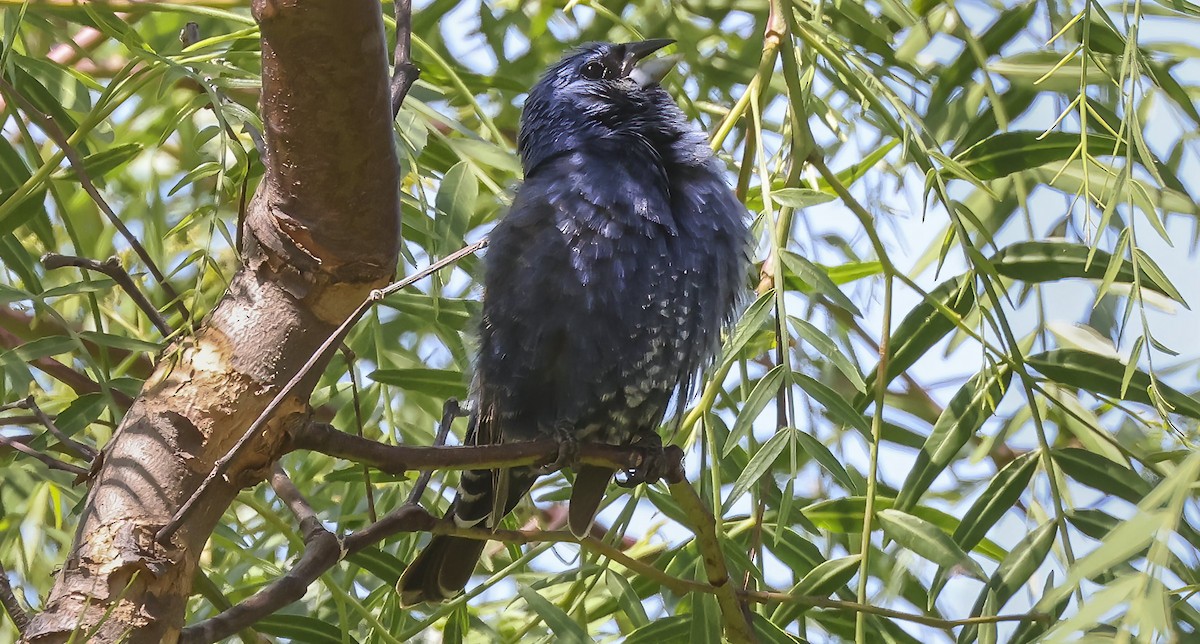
(606, 288)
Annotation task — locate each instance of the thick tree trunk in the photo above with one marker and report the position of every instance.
(321, 232)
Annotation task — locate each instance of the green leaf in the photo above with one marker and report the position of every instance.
(668, 630)
(764, 391)
(384, 565)
(121, 342)
(1008, 24)
(1001, 494)
(769, 633)
(753, 320)
(1046, 261)
(818, 279)
(826, 346)
(565, 629)
(845, 515)
(838, 407)
(439, 383)
(300, 628)
(800, 197)
(100, 163)
(927, 540)
(1012, 573)
(759, 464)
(828, 577)
(1101, 474)
(1104, 376)
(827, 460)
(45, 347)
(974, 403)
(706, 619)
(627, 598)
(923, 327)
(455, 203)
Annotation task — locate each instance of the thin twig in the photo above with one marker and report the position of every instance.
(450, 411)
(50, 127)
(404, 72)
(368, 488)
(318, 357)
(735, 620)
(50, 461)
(11, 606)
(86, 452)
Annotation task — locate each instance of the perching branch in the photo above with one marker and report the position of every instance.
(113, 269)
(47, 125)
(395, 459)
(318, 357)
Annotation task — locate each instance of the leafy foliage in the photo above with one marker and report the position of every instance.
(1024, 213)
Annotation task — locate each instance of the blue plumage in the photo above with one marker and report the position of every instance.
(606, 285)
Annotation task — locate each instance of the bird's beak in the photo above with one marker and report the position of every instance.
(649, 72)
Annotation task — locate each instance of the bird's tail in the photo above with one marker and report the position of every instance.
(444, 567)
(441, 571)
(591, 482)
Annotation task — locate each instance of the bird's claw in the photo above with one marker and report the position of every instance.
(568, 451)
(653, 467)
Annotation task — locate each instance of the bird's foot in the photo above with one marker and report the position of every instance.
(657, 463)
(568, 450)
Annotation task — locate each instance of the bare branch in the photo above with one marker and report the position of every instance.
(47, 124)
(318, 357)
(11, 606)
(404, 72)
(112, 268)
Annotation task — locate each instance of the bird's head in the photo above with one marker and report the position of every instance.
(598, 91)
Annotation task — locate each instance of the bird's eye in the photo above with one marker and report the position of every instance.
(593, 71)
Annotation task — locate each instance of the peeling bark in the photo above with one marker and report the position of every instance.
(321, 232)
